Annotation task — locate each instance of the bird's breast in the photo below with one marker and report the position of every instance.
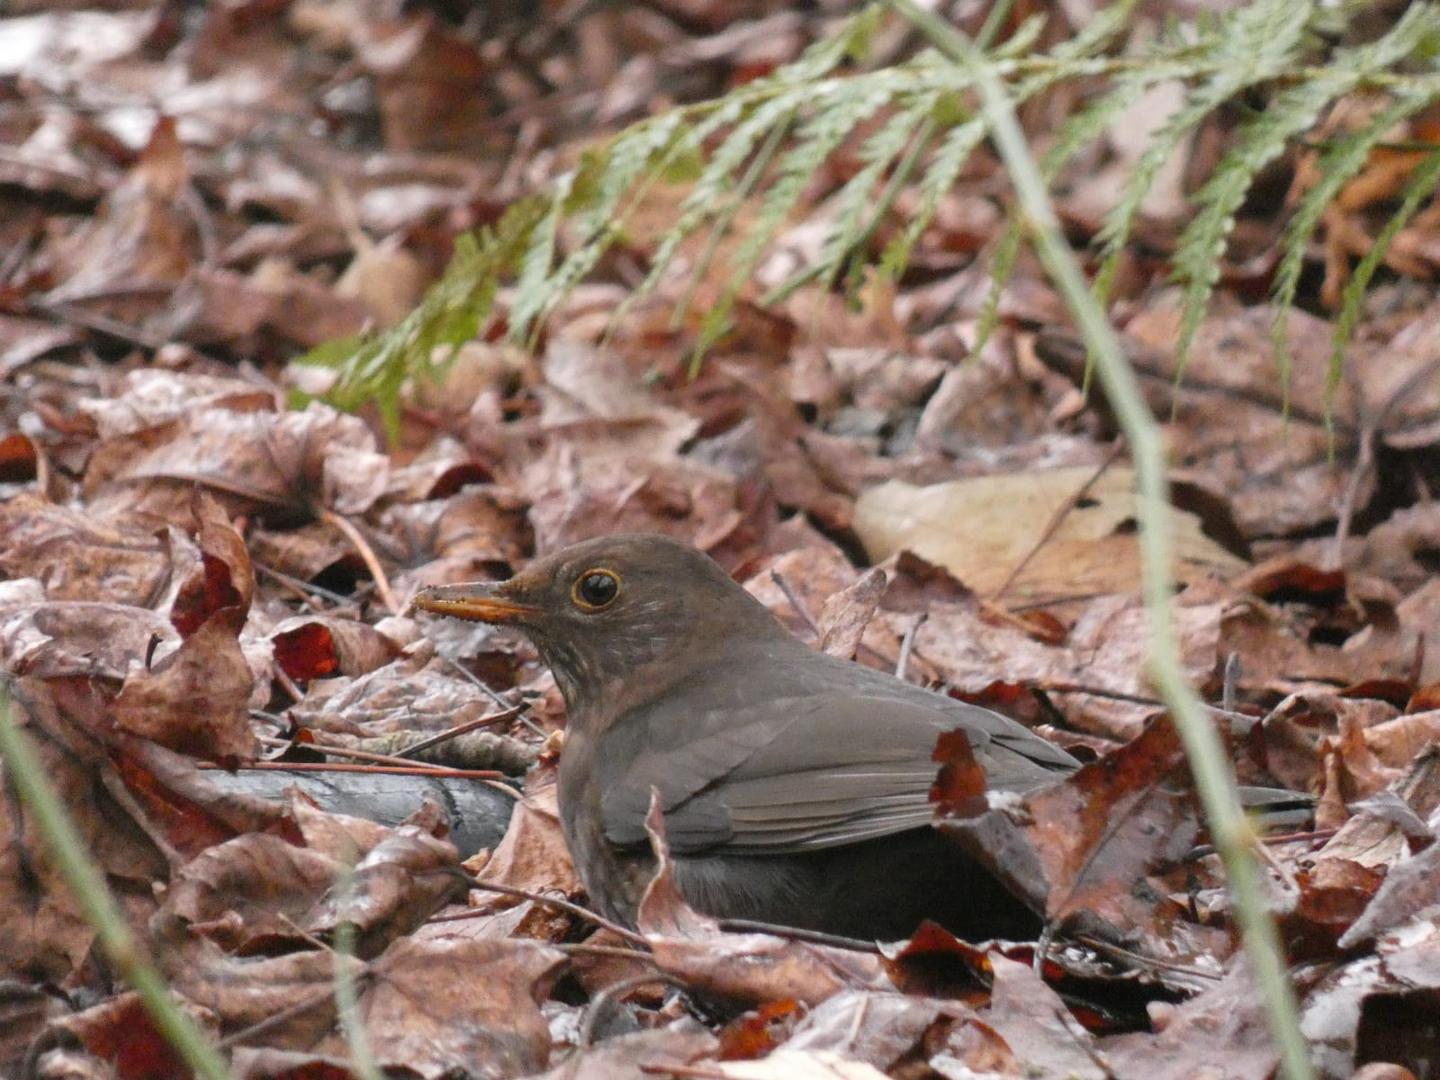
(615, 879)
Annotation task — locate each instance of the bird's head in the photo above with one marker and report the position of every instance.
(618, 610)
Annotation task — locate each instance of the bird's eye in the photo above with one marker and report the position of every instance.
(596, 589)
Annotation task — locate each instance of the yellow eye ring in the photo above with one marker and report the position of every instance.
(596, 589)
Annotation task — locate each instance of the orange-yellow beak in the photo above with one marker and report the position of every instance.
(475, 601)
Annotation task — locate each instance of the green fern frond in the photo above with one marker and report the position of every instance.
(1078, 132)
(1339, 164)
(750, 156)
(1243, 48)
(1420, 188)
(531, 292)
(616, 172)
(882, 149)
(373, 368)
(1202, 244)
(955, 149)
(842, 105)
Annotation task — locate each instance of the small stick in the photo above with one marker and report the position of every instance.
(1232, 679)
(907, 646)
(584, 948)
(365, 755)
(697, 1072)
(461, 729)
(296, 694)
(795, 602)
(286, 1014)
(1058, 517)
(564, 905)
(495, 696)
(367, 556)
(304, 588)
(413, 769)
(792, 933)
(1100, 945)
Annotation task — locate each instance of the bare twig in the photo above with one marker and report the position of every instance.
(285, 1015)
(331, 750)
(783, 583)
(551, 901)
(305, 589)
(409, 769)
(495, 696)
(461, 729)
(1232, 680)
(907, 645)
(1062, 511)
(367, 556)
(795, 933)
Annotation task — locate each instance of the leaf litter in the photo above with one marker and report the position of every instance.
(198, 579)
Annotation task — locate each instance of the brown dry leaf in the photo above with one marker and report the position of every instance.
(746, 969)
(1383, 999)
(680, 498)
(1226, 1023)
(416, 692)
(1105, 650)
(881, 1029)
(317, 646)
(1286, 610)
(845, 615)
(293, 995)
(141, 233)
(148, 397)
(787, 1064)
(435, 1008)
(1228, 436)
(1409, 889)
(57, 638)
(304, 553)
(431, 83)
(533, 855)
(983, 529)
(1419, 613)
(1395, 743)
(195, 700)
(182, 806)
(77, 556)
(631, 1056)
(1287, 743)
(340, 836)
(386, 278)
(1037, 1026)
(398, 885)
(247, 895)
(120, 1038)
(479, 532)
(47, 936)
(1082, 849)
(285, 464)
(1331, 897)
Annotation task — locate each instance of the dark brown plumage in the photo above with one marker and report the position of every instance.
(795, 785)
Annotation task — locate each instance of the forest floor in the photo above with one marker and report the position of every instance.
(198, 574)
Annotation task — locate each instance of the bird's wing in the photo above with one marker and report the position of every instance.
(816, 771)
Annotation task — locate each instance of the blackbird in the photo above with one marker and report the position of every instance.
(794, 785)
